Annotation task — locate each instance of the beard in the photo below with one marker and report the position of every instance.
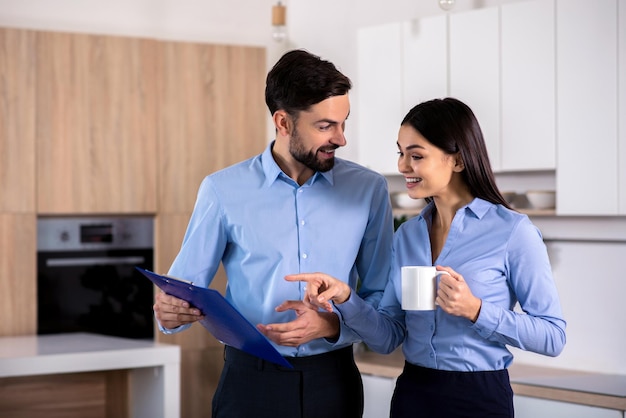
(309, 158)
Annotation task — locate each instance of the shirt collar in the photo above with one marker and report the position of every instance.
(478, 207)
(272, 170)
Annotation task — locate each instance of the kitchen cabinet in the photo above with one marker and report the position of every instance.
(485, 57)
(425, 61)
(475, 71)
(80, 375)
(587, 97)
(528, 407)
(17, 121)
(18, 275)
(210, 115)
(378, 391)
(96, 124)
(506, 74)
(400, 65)
(119, 125)
(528, 86)
(380, 95)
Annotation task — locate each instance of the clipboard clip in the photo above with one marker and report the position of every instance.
(168, 278)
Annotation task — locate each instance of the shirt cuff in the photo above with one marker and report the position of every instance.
(487, 321)
(169, 331)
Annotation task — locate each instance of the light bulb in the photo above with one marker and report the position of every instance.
(446, 5)
(279, 33)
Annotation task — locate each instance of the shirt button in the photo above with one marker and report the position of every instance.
(432, 327)
(304, 255)
(432, 355)
(302, 222)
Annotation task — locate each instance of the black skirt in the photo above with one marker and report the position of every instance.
(428, 393)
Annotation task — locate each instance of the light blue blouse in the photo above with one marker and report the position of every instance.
(502, 257)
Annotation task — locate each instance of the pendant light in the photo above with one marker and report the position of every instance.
(279, 22)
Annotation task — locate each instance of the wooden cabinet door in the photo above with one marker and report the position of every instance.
(18, 274)
(475, 71)
(587, 97)
(17, 120)
(380, 96)
(96, 129)
(211, 115)
(528, 86)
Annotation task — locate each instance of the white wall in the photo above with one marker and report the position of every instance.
(589, 275)
(590, 279)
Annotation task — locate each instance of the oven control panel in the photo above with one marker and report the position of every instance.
(59, 234)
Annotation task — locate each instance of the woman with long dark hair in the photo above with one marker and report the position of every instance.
(456, 355)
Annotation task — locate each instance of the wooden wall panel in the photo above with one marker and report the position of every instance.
(17, 120)
(96, 124)
(18, 276)
(72, 395)
(103, 124)
(76, 395)
(212, 115)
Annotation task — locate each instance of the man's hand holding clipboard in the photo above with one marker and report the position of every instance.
(221, 319)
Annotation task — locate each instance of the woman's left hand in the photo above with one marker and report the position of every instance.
(455, 297)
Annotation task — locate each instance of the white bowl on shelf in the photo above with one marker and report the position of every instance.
(541, 199)
(402, 200)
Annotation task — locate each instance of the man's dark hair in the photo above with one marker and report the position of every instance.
(300, 79)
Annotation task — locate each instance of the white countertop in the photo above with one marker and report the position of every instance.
(80, 352)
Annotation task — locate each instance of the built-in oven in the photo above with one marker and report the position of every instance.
(86, 276)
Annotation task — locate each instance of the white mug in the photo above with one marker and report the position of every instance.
(419, 287)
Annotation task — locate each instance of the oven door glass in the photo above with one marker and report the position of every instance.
(95, 291)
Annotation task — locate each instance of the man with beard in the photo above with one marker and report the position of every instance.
(295, 208)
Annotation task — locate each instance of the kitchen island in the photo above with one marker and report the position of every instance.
(150, 378)
(539, 391)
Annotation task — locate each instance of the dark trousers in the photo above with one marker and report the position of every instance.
(322, 386)
(429, 393)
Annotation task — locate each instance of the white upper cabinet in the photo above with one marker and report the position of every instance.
(493, 63)
(587, 95)
(475, 71)
(425, 52)
(528, 86)
(546, 79)
(380, 95)
(400, 65)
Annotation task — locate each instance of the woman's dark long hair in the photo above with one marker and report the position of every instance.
(451, 126)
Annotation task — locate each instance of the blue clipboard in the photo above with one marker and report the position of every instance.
(221, 318)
